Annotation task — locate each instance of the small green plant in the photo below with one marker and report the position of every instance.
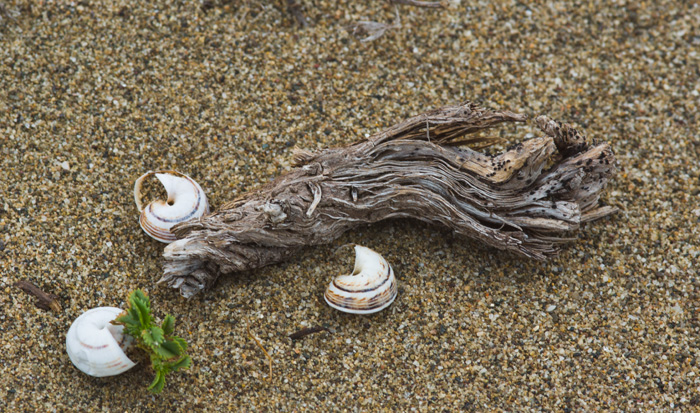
(168, 352)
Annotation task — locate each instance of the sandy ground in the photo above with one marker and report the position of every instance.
(93, 94)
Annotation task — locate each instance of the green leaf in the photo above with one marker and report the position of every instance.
(158, 383)
(127, 320)
(143, 297)
(181, 342)
(174, 347)
(148, 338)
(183, 363)
(168, 350)
(168, 325)
(143, 311)
(134, 313)
(157, 334)
(167, 353)
(157, 363)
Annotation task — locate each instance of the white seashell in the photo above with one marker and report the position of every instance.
(186, 200)
(370, 288)
(95, 346)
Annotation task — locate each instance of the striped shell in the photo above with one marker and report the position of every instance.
(95, 346)
(370, 288)
(186, 200)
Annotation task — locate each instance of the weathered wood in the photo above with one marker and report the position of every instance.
(526, 200)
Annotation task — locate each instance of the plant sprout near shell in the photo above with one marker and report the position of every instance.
(95, 346)
(370, 288)
(186, 200)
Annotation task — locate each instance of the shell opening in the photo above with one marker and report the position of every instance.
(185, 200)
(95, 346)
(370, 288)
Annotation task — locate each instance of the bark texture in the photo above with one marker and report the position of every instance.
(527, 199)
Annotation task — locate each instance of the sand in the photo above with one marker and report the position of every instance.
(93, 94)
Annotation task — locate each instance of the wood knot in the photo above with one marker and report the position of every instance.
(274, 212)
(301, 157)
(568, 140)
(313, 169)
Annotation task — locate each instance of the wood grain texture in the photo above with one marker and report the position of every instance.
(526, 200)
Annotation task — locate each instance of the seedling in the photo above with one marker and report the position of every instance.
(168, 353)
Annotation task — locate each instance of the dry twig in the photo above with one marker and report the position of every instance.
(526, 200)
(45, 301)
(294, 8)
(269, 358)
(416, 3)
(306, 331)
(374, 30)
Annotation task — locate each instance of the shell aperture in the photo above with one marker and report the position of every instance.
(186, 200)
(370, 288)
(95, 346)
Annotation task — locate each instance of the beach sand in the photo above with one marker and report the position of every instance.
(95, 93)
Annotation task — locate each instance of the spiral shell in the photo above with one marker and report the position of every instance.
(370, 288)
(95, 346)
(186, 200)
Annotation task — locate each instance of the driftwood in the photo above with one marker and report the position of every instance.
(526, 200)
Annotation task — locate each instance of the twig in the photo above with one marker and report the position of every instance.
(416, 3)
(526, 200)
(295, 10)
(44, 300)
(269, 358)
(306, 331)
(375, 30)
